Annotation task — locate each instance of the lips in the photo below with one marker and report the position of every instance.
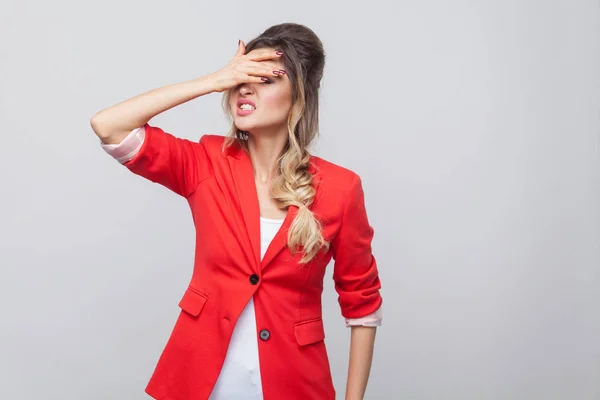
(241, 112)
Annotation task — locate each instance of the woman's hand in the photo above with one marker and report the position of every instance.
(245, 68)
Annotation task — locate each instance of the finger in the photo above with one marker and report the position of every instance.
(263, 55)
(257, 68)
(253, 79)
(241, 48)
(260, 73)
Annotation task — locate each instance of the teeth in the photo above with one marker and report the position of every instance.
(246, 107)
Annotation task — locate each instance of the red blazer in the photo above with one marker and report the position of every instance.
(220, 190)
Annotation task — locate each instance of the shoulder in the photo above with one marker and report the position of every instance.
(212, 141)
(333, 173)
(337, 185)
(339, 189)
(213, 144)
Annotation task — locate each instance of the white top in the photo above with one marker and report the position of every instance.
(240, 376)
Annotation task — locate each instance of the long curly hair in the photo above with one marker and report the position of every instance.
(304, 61)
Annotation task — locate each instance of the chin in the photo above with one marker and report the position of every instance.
(244, 126)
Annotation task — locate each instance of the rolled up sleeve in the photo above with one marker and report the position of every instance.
(128, 148)
(355, 271)
(176, 163)
(373, 319)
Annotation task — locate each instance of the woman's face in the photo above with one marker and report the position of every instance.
(271, 102)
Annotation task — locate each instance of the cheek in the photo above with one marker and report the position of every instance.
(279, 101)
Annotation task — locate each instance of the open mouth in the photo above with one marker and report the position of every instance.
(247, 107)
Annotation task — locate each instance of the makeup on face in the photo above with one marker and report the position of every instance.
(271, 99)
(245, 107)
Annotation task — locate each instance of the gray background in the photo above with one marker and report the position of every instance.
(474, 125)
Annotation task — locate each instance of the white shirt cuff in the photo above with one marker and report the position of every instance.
(128, 148)
(373, 319)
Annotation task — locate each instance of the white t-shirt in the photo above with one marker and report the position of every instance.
(240, 376)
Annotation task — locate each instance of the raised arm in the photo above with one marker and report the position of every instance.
(114, 123)
(176, 163)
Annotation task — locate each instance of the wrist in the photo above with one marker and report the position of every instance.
(211, 83)
(205, 85)
(350, 396)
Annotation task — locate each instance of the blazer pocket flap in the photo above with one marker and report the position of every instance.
(192, 302)
(309, 331)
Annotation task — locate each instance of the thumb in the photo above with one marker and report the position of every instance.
(241, 50)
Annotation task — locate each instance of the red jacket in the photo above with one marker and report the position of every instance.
(220, 190)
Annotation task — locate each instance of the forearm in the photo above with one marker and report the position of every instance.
(114, 123)
(362, 343)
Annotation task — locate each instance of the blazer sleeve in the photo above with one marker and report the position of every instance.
(176, 163)
(355, 270)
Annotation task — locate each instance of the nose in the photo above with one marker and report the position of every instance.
(246, 89)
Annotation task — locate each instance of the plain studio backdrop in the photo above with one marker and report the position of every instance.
(475, 127)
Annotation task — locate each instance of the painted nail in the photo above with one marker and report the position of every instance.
(282, 72)
(276, 72)
(264, 79)
(279, 53)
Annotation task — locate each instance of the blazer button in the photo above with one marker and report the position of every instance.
(254, 279)
(264, 334)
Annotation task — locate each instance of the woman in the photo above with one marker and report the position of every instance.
(269, 217)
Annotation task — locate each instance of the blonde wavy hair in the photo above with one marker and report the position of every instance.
(304, 60)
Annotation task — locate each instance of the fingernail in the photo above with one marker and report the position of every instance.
(281, 71)
(276, 72)
(264, 79)
(279, 53)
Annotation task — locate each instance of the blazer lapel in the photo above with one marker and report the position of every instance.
(243, 178)
(279, 241)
